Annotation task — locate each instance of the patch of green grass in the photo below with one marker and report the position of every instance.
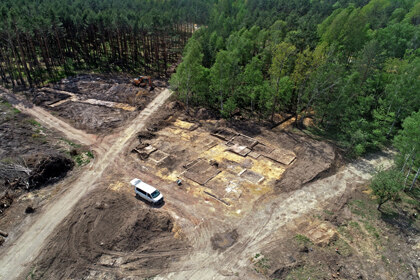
(389, 213)
(262, 265)
(350, 230)
(359, 203)
(342, 229)
(83, 158)
(328, 212)
(364, 209)
(302, 239)
(371, 229)
(7, 160)
(90, 154)
(74, 145)
(34, 123)
(358, 211)
(410, 199)
(317, 216)
(59, 75)
(80, 160)
(355, 225)
(31, 274)
(308, 272)
(8, 108)
(343, 247)
(5, 103)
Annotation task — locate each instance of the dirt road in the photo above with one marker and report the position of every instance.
(256, 230)
(24, 249)
(48, 120)
(260, 228)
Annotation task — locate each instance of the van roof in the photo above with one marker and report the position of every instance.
(142, 185)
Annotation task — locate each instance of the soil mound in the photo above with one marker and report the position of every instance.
(224, 240)
(113, 233)
(314, 160)
(50, 170)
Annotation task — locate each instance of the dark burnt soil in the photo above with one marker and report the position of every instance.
(50, 170)
(116, 88)
(369, 244)
(28, 157)
(20, 135)
(113, 233)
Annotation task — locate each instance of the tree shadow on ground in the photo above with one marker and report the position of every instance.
(400, 219)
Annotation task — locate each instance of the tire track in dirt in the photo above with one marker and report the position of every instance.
(24, 249)
(49, 120)
(52, 122)
(259, 228)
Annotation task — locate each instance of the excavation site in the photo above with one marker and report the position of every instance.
(209, 140)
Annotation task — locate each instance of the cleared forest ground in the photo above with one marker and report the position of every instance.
(95, 103)
(254, 203)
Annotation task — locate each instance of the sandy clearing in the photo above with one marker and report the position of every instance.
(24, 249)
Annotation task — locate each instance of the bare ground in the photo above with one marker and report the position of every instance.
(32, 240)
(204, 237)
(223, 245)
(265, 224)
(31, 157)
(95, 103)
(96, 238)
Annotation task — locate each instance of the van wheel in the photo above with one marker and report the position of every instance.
(137, 196)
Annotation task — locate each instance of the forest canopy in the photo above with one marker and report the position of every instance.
(44, 40)
(352, 66)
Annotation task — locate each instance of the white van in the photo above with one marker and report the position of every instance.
(146, 191)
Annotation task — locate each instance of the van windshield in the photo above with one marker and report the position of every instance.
(155, 194)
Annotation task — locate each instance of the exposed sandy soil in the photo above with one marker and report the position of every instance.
(192, 207)
(223, 222)
(90, 118)
(348, 239)
(78, 100)
(25, 243)
(111, 231)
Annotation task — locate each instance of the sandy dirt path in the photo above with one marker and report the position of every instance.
(52, 122)
(259, 228)
(17, 256)
(48, 120)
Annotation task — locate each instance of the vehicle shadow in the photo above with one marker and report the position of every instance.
(160, 205)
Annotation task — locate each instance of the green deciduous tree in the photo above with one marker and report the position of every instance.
(401, 91)
(386, 185)
(281, 66)
(397, 38)
(223, 75)
(251, 84)
(190, 79)
(408, 144)
(346, 28)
